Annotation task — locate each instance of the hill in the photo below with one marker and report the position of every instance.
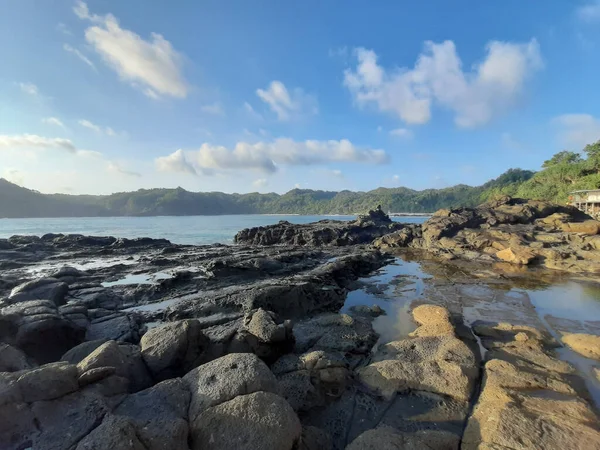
(16, 201)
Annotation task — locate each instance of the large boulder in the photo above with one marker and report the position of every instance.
(114, 433)
(118, 327)
(256, 421)
(264, 336)
(159, 415)
(40, 289)
(48, 382)
(174, 349)
(387, 438)
(225, 378)
(81, 351)
(37, 328)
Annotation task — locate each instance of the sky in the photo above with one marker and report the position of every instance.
(267, 96)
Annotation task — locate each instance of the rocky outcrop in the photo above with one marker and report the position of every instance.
(528, 398)
(40, 289)
(517, 231)
(323, 233)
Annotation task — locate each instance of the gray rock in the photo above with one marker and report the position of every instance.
(81, 351)
(40, 289)
(257, 421)
(314, 438)
(17, 426)
(262, 335)
(225, 378)
(114, 433)
(12, 359)
(121, 327)
(159, 415)
(48, 382)
(262, 324)
(174, 349)
(126, 359)
(67, 271)
(386, 438)
(94, 375)
(64, 422)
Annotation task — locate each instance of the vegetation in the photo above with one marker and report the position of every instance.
(564, 172)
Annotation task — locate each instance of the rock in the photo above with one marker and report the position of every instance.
(36, 328)
(225, 378)
(256, 421)
(126, 359)
(434, 360)
(159, 415)
(265, 337)
(114, 433)
(119, 327)
(314, 438)
(335, 332)
(81, 351)
(40, 289)
(516, 255)
(312, 379)
(366, 311)
(322, 233)
(587, 345)
(48, 382)
(596, 371)
(94, 375)
(12, 359)
(64, 422)
(174, 349)
(68, 271)
(386, 438)
(589, 227)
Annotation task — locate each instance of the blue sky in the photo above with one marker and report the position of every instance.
(241, 96)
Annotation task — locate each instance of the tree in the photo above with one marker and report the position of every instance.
(593, 150)
(564, 157)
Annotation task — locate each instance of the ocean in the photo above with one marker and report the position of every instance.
(196, 230)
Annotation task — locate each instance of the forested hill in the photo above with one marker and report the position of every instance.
(16, 201)
(564, 172)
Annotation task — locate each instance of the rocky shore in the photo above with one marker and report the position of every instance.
(282, 341)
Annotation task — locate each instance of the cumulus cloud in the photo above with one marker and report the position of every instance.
(578, 130)
(80, 55)
(266, 157)
(287, 105)
(216, 109)
(175, 162)
(53, 121)
(29, 88)
(153, 65)
(590, 12)
(260, 183)
(116, 168)
(402, 133)
(97, 128)
(474, 96)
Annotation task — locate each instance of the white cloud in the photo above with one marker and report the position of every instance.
(260, 183)
(287, 105)
(152, 65)
(475, 96)
(53, 121)
(337, 173)
(402, 133)
(34, 141)
(252, 112)
(63, 29)
(29, 88)
(116, 168)
(80, 55)
(379, 129)
(578, 130)
(268, 156)
(216, 109)
(589, 12)
(175, 162)
(297, 186)
(97, 128)
(14, 176)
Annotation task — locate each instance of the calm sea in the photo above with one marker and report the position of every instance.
(180, 230)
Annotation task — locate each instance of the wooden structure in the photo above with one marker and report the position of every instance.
(587, 201)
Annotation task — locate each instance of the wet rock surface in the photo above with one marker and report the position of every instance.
(116, 343)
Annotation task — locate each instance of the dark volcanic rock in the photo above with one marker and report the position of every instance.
(40, 289)
(322, 233)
